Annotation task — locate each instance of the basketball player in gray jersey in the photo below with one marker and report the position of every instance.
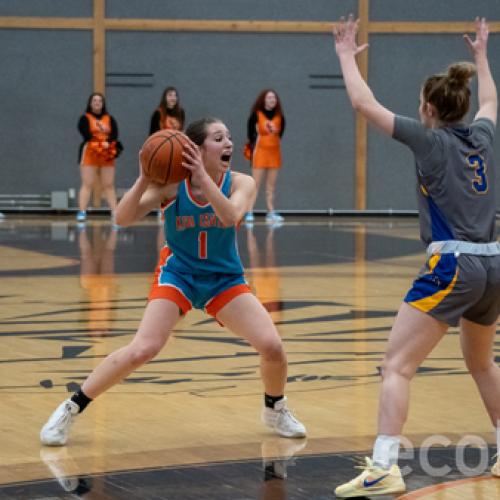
(460, 282)
(462, 206)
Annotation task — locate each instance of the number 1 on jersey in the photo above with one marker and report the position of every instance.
(202, 245)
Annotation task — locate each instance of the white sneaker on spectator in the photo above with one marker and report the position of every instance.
(273, 217)
(249, 217)
(81, 216)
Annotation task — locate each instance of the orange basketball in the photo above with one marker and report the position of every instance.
(161, 157)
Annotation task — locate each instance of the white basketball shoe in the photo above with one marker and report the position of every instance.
(282, 420)
(55, 431)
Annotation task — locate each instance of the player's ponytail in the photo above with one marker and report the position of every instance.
(449, 93)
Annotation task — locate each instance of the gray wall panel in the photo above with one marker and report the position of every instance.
(395, 77)
(43, 92)
(433, 10)
(48, 78)
(49, 8)
(319, 10)
(221, 74)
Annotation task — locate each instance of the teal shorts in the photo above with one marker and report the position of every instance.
(210, 292)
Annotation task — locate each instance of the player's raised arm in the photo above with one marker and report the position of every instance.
(487, 92)
(361, 96)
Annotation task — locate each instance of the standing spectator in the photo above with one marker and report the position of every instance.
(169, 114)
(265, 128)
(98, 151)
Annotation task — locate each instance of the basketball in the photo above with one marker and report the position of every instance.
(161, 157)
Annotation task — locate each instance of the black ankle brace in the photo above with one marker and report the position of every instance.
(270, 400)
(81, 400)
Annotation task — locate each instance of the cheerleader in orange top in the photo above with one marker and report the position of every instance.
(265, 129)
(98, 151)
(169, 114)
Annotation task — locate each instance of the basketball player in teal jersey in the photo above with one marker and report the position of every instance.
(460, 282)
(199, 267)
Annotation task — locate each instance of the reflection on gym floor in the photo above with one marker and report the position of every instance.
(187, 424)
(265, 278)
(97, 275)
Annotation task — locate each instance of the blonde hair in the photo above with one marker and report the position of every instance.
(449, 92)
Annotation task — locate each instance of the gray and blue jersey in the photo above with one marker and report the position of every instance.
(456, 179)
(456, 197)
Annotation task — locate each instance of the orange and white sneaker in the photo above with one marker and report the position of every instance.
(372, 481)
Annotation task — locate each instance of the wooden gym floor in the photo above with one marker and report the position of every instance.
(186, 425)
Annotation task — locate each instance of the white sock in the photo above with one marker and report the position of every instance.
(386, 451)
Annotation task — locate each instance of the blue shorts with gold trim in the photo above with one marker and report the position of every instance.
(450, 287)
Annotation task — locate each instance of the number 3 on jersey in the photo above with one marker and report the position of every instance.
(202, 245)
(480, 181)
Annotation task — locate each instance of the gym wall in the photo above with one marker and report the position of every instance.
(49, 74)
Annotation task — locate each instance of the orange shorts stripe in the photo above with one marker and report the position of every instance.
(218, 302)
(168, 292)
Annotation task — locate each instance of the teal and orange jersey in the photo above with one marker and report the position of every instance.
(198, 241)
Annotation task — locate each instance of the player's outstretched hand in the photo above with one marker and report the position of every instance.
(478, 45)
(344, 33)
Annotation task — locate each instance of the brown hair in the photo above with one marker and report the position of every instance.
(259, 104)
(177, 111)
(449, 92)
(88, 109)
(197, 130)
